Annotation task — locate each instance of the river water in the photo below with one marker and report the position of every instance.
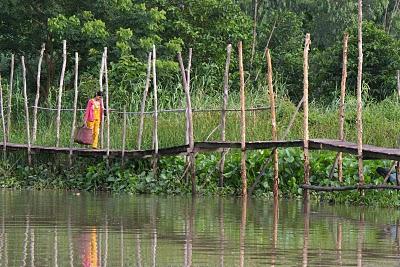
(50, 228)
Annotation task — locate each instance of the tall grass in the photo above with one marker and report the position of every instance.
(379, 120)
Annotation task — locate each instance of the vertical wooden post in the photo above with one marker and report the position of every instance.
(359, 97)
(28, 136)
(3, 122)
(124, 137)
(155, 130)
(107, 108)
(190, 120)
(398, 85)
(101, 90)
(188, 84)
(35, 108)
(71, 142)
(341, 105)
(223, 113)
(253, 43)
(143, 105)
(10, 97)
(273, 123)
(242, 122)
(58, 119)
(305, 122)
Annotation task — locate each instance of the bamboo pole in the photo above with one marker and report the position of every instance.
(101, 90)
(359, 97)
(58, 119)
(10, 97)
(273, 123)
(28, 137)
(253, 43)
(71, 142)
(190, 120)
(107, 109)
(124, 136)
(3, 122)
(305, 122)
(143, 105)
(188, 84)
(242, 122)
(223, 113)
(155, 129)
(188, 158)
(398, 85)
(341, 106)
(35, 108)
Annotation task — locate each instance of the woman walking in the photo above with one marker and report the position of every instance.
(93, 115)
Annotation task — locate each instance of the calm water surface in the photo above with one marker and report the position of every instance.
(65, 229)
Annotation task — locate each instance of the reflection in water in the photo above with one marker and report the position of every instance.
(153, 231)
(360, 239)
(339, 236)
(243, 230)
(306, 215)
(89, 250)
(221, 232)
(275, 231)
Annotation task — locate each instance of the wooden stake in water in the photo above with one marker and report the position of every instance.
(10, 91)
(28, 136)
(223, 113)
(359, 97)
(3, 122)
(305, 121)
(341, 105)
(107, 108)
(190, 120)
(71, 142)
(35, 108)
(60, 90)
(242, 122)
(143, 105)
(273, 123)
(155, 130)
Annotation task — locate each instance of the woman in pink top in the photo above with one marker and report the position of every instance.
(93, 114)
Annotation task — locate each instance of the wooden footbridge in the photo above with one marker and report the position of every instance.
(190, 148)
(369, 152)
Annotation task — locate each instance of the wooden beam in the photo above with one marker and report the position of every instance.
(35, 108)
(223, 113)
(242, 122)
(60, 90)
(71, 141)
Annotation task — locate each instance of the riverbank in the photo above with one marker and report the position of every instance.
(136, 176)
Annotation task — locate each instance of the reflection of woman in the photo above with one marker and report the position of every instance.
(90, 251)
(93, 115)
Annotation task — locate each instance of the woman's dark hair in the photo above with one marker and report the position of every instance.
(99, 93)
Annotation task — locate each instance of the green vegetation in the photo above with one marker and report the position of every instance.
(130, 28)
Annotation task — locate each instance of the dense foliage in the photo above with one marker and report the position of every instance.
(130, 28)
